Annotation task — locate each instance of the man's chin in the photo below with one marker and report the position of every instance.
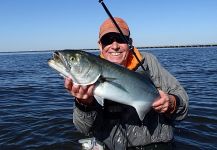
(116, 62)
(116, 59)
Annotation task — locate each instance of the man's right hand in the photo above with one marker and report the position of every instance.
(84, 94)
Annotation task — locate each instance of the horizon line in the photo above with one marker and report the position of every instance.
(139, 47)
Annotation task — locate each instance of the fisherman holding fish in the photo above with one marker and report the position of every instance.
(117, 126)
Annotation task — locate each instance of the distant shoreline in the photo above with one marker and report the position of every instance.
(139, 47)
(180, 46)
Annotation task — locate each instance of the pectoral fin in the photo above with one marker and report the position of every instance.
(112, 82)
(99, 99)
(141, 109)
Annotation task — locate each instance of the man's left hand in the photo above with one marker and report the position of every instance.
(166, 103)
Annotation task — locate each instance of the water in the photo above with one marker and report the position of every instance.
(36, 110)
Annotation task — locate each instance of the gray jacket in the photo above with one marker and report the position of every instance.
(118, 130)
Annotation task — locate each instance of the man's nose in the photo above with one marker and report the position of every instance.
(115, 45)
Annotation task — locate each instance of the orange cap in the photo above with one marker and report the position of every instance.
(108, 26)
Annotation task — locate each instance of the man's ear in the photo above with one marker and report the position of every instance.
(100, 46)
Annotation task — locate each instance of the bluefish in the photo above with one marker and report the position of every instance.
(112, 82)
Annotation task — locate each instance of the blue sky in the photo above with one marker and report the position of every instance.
(59, 24)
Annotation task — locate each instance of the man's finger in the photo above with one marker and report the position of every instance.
(68, 83)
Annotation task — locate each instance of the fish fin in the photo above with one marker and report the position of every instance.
(141, 109)
(104, 79)
(99, 99)
(112, 82)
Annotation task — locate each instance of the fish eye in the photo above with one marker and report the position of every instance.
(72, 58)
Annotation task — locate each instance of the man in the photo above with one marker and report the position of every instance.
(117, 125)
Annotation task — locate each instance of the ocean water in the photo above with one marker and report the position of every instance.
(36, 110)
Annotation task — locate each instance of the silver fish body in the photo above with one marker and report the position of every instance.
(113, 82)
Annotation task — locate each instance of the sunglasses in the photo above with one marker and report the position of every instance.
(113, 37)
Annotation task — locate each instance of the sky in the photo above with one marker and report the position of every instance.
(32, 25)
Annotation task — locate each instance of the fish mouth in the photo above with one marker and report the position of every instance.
(60, 64)
(56, 56)
(60, 58)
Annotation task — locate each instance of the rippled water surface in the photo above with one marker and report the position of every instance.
(36, 110)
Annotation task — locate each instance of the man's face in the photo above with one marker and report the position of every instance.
(114, 48)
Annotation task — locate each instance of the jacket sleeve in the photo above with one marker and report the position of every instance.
(83, 120)
(169, 84)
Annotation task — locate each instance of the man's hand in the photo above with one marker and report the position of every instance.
(84, 94)
(166, 103)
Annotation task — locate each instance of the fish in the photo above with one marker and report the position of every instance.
(112, 81)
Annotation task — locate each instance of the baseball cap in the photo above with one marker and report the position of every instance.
(108, 26)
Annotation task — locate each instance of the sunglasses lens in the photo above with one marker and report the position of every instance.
(110, 38)
(106, 40)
